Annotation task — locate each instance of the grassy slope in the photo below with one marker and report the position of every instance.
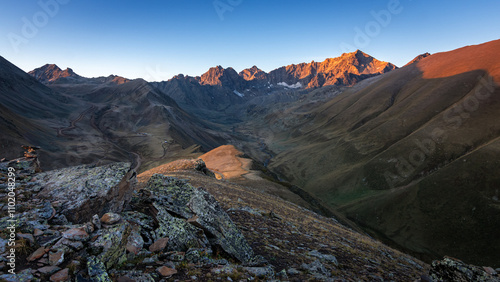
(350, 152)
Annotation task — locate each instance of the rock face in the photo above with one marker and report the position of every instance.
(218, 76)
(86, 190)
(347, 70)
(450, 269)
(253, 73)
(191, 217)
(51, 72)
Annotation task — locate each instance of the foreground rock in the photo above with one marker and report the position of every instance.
(83, 191)
(170, 229)
(450, 269)
(189, 217)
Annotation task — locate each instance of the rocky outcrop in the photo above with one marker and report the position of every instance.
(85, 190)
(166, 225)
(190, 217)
(450, 269)
(28, 164)
(418, 58)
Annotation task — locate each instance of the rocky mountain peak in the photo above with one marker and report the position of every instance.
(219, 76)
(51, 72)
(253, 73)
(346, 70)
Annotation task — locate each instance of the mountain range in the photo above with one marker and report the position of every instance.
(408, 154)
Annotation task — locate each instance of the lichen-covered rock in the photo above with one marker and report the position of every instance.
(450, 269)
(172, 194)
(217, 223)
(324, 257)
(181, 234)
(97, 270)
(22, 165)
(132, 275)
(145, 222)
(201, 217)
(316, 268)
(111, 244)
(261, 272)
(21, 276)
(135, 241)
(86, 190)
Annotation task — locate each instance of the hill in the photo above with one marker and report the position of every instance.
(409, 155)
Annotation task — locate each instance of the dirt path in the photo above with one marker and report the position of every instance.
(72, 124)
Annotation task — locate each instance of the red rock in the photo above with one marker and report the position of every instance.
(110, 218)
(166, 271)
(158, 245)
(489, 270)
(60, 276)
(76, 234)
(37, 232)
(37, 254)
(48, 269)
(56, 258)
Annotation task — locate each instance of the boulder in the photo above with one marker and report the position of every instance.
(110, 218)
(60, 276)
(450, 269)
(166, 271)
(219, 226)
(85, 190)
(181, 234)
(188, 216)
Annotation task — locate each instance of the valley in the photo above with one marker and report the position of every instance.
(408, 155)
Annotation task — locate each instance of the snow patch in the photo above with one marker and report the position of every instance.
(238, 93)
(296, 85)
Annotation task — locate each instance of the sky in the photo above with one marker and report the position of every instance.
(156, 40)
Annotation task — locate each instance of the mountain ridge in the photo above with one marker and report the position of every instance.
(346, 69)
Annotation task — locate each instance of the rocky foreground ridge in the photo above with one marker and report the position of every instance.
(89, 223)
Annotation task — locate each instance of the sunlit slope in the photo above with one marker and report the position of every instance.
(412, 154)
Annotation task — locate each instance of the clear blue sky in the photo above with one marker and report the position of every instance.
(156, 40)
